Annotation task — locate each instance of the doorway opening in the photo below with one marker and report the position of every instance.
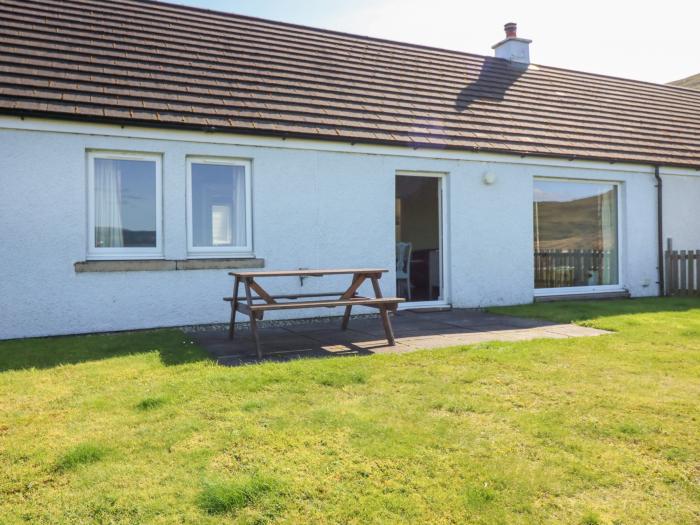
(419, 253)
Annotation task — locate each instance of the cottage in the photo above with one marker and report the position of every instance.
(147, 148)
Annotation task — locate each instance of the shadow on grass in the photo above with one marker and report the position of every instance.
(173, 347)
(581, 311)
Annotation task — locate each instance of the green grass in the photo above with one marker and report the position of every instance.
(231, 495)
(83, 454)
(143, 428)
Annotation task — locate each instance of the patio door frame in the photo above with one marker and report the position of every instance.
(443, 249)
(600, 288)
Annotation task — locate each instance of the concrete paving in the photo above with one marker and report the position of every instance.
(365, 336)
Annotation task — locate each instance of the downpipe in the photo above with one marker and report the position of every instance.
(660, 230)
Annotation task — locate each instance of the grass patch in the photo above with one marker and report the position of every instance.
(83, 454)
(150, 403)
(252, 405)
(341, 378)
(477, 497)
(598, 430)
(590, 519)
(219, 497)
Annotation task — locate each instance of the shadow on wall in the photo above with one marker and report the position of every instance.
(496, 77)
(173, 348)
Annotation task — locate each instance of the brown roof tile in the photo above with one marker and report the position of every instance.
(157, 64)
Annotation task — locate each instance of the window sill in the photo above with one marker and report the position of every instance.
(161, 265)
(583, 296)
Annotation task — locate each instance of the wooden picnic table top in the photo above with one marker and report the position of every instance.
(294, 273)
(348, 298)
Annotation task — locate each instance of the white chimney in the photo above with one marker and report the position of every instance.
(513, 48)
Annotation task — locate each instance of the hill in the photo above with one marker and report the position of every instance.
(690, 82)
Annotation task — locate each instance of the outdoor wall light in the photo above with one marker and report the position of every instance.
(488, 178)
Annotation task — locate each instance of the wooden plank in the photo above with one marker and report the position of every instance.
(690, 290)
(234, 304)
(357, 281)
(291, 296)
(260, 291)
(388, 331)
(669, 266)
(253, 320)
(309, 273)
(244, 309)
(697, 271)
(358, 301)
(348, 309)
(674, 272)
(683, 258)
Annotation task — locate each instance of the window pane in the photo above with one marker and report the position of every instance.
(218, 205)
(575, 234)
(125, 203)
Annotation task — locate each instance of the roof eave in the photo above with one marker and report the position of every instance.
(408, 143)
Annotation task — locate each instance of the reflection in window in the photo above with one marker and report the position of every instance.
(575, 234)
(218, 205)
(221, 225)
(125, 203)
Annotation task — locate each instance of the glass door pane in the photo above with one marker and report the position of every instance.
(575, 234)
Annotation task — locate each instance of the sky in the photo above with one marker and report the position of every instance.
(653, 40)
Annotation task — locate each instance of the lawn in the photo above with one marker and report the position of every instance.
(143, 428)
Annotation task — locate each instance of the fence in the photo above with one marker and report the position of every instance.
(558, 268)
(682, 271)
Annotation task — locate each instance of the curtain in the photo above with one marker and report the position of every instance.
(108, 213)
(239, 205)
(608, 212)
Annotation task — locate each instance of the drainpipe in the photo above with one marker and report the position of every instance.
(660, 229)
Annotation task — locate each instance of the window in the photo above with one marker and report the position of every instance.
(124, 206)
(576, 234)
(219, 208)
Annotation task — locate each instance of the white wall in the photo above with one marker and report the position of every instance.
(314, 205)
(681, 204)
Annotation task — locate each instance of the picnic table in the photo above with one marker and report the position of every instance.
(255, 306)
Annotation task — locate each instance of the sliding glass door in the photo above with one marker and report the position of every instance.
(576, 239)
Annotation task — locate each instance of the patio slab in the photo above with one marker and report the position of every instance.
(365, 336)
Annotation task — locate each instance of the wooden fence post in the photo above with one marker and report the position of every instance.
(691, 273)
(683, 258)
(667, 270)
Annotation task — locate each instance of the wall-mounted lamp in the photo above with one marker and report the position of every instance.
(488, 178)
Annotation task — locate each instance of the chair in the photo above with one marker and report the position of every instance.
(403, 266)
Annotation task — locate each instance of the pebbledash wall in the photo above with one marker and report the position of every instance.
(315, 204)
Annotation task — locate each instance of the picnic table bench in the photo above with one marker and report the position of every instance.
(255, 306)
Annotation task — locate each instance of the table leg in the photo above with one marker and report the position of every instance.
(354, 285)
(346, 318)
(383, 313)
(253, 320)
(234, 307)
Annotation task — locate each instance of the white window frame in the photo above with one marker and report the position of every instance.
(94, 252)
(194, 252)
(573, 290)
(444, 247)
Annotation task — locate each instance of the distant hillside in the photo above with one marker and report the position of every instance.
(690, 82)
(569, 225)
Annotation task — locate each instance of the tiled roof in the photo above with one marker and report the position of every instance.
(157, 64)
